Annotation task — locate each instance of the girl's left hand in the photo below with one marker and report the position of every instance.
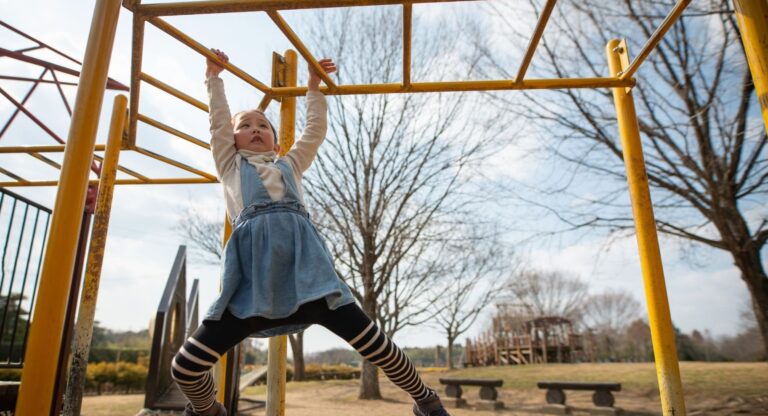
(314, 80)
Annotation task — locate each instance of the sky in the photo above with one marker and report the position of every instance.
(706, 294)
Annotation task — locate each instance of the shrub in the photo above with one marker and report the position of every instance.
(108, 376)
(10, 374)
(328, 372)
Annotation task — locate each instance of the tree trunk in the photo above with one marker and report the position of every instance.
(449, 354)
(369, 383)
(297, 347)
(735, 233)
(369, 378)
(752, 272)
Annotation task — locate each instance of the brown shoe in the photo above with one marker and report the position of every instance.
(431, 406)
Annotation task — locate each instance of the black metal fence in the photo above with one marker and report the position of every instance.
(23, 232)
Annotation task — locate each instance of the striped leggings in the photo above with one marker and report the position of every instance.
(192, 364)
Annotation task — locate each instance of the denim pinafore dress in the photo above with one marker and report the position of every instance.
(275, 260)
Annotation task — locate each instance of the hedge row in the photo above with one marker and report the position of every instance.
(102, 377)
(121, 376)
(328, 372)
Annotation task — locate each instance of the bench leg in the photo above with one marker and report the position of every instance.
(453, 399)
(488, 393)
(603, 398)
(453, 390)
(555, 396)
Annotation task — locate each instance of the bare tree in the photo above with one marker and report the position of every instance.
(471, 284)
(704, 141)
(388, 181)
(638, 337)
(610, 310)
(548, 293)
(607, 314)
(204, 233)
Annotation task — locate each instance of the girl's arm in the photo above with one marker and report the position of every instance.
(304, 150)
(222, 133)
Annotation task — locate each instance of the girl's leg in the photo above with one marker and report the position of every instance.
(353, 325)
(192, 364)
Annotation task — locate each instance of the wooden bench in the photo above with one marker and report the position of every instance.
(601, 398)
(488, 393)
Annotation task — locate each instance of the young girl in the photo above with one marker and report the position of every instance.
(278, 276)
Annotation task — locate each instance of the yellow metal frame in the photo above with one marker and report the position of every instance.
(39, 371)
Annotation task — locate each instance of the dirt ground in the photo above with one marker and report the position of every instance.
(716, 389)
(339, 398)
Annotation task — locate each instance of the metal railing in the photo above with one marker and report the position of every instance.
(24, 227)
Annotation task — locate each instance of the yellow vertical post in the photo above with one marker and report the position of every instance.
(662, 335)
(45, 337)
(752, 17)
(87, 311)
(221, 366)
(278, 346)
(288, 105)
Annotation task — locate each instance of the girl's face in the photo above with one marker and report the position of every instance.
(253, 132)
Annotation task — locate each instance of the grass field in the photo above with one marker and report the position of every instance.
(710, 389)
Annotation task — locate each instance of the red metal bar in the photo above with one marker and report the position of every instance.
(44, 81)
(23, 101)
(111, 84)
(42, 125)
(39, 43)
(61, 92)
(31, 116)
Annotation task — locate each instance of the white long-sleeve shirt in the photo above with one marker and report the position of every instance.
(228, 159)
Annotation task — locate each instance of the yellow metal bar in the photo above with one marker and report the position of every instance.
(537, 34)
(287, 130)
(291, 35)
(231, 6)
(11, 175)
(173, 91)
(170, 161)
(660, 321)
(168, 129)
(148, 181)
(199, 48)
(278, 346)
(265, 103)
(752, 17)
(407, 35)
(43, 149)
(449, 86)
(137, 52)
(655, 39)
(276, 374)
(221, 366)
(46, 160)
(124, 169)
(87, 310)
(45, 336)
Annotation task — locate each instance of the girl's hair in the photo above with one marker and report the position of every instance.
(274, 132)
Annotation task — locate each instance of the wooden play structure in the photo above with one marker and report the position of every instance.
(39, 392)
(519, 337)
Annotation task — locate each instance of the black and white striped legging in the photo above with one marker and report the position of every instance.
(192, 364)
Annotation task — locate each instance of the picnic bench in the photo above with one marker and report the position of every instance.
(488, 392)
(601, 398)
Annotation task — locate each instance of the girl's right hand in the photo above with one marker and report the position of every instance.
(213, 68)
